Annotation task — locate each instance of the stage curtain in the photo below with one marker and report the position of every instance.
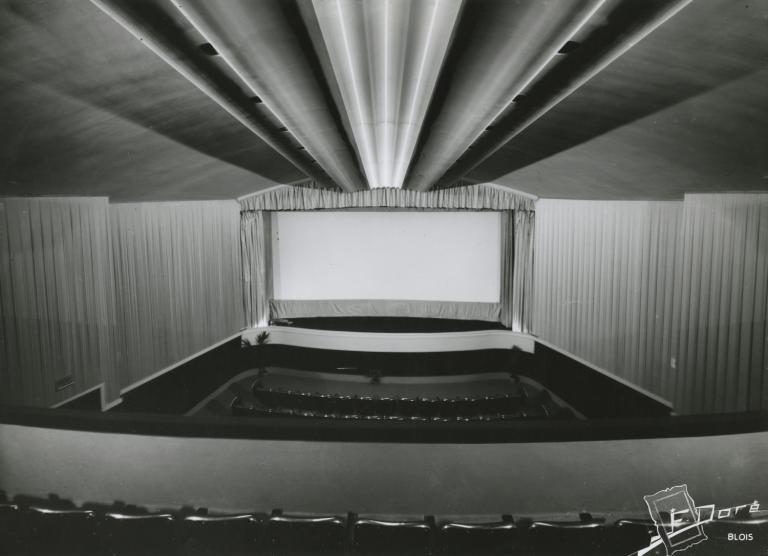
(515, 309)
(474, 197)
(255, 243)
(287, 308)
(56, 297)
(517, 270)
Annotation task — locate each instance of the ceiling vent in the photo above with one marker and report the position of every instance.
(207, 49)
(568, 47)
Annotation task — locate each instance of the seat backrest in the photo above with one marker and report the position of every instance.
(151, 533)
(566, 537)
(223, 534)
(500, 537)
(293, 534)
(54, 531)
(12, 533)
(630, 535)
(373, 536)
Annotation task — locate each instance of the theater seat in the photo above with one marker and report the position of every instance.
(133, 534)
(391, 538)
(502, 537)
(224, 534)
(55, 531)
(630, 535)
(575, 538)
(12, 536)
(305, 535)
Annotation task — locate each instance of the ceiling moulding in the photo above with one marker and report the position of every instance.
(154, 26)
(624, 24)
(501, 47)
(260, 42)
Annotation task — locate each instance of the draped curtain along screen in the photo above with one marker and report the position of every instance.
(471, 197)
(514, 310)
(669, 295)
(178, 280)
(255, 242)
(56, 297)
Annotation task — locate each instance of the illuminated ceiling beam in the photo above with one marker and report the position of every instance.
(624, 23)
(386, 56)
(257, 40)
(504, 46)
(143, 21)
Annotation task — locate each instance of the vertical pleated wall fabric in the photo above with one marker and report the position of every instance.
(56, 297)
(722, 306)
(669, 295)
(178, 282)
(255, 242)
(604, 277)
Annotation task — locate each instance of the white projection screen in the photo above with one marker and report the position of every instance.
(387, 255)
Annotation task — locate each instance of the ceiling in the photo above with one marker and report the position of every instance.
(213, 99)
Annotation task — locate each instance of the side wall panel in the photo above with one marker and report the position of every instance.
(178, 282)
(56, 297)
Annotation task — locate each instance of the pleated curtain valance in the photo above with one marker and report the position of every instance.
(470, 197)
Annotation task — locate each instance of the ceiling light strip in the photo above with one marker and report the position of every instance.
(511, 45)
(293, 106)
(177, 60)
(506, 131)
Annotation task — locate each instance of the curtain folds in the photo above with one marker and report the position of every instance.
(255, 241)
(56, 297)
(178, 280)
(514, 310)
(517, 248)
(522, 276)
(720, 316)
(672, 296)
(288, 308)
(475, 197)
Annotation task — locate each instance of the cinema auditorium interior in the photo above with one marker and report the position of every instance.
(392, 277)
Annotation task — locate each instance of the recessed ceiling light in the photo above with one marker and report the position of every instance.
(568, 47)
(207, 49)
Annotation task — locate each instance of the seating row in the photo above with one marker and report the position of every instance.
(542, 411)
(45, 530)
(404, 406)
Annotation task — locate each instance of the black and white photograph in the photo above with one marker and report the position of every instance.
(384, 277)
